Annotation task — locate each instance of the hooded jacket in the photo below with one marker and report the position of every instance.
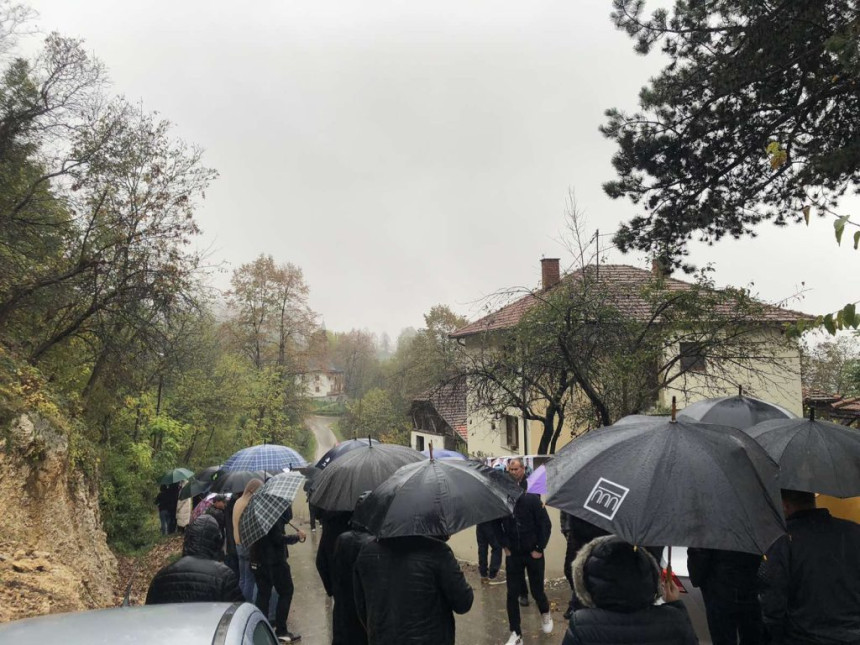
(618, 586)
(197, 576)
(407, 591)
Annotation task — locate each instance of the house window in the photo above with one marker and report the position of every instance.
(419, 443)
(317, 388)
(512, 436)
(692, 358)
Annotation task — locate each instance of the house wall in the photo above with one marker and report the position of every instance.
(776, 379)
(487, 435)
(321, 385)
(437, 439)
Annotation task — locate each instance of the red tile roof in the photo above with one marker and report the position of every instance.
(624, 283)
(449, 399)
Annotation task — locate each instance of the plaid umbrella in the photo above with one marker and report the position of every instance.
(267, 505)
(270, 457)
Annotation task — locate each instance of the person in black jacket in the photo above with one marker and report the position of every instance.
(333, 524)
(269, 563)
(728, 583)
(618, 585)
(197, 576)
(810, 581)
(524, 537)
(577, 533)
(408, 589)
(347, 629)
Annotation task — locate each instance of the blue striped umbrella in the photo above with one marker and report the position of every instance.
(270, 457)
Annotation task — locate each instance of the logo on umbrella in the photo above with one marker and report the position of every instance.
(605, 498)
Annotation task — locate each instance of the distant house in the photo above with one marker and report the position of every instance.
(509, 433)
(439, 415)
(324, 383)
(833, 407)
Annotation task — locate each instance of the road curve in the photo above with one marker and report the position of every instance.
(326, 439)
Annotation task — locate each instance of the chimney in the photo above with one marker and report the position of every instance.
(549, 272)
(660, 267)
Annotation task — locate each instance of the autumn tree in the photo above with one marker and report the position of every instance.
(354, 352)
(832, 365)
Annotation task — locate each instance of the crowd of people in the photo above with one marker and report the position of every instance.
(407, 590)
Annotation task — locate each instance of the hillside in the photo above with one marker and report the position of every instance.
(53, 551)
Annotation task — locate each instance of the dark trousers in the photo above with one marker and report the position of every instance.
(277, 576)
(734, 617)
(488, 541)
(312, 516)
(570, 552)
(518, 566)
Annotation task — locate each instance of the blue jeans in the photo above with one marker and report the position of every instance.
(164, 516)
(247, 584)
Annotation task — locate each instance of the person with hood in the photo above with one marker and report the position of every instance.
(524, 537)
(347, 629)
(243, 555)
(271, 570)
(407, 590)
(618, 585)
(197, 576)
(810, 580)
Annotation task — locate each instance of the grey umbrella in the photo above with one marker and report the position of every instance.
(338, 487)
(813, 456)
(267, 505)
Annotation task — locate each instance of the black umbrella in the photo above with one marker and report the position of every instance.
(813, 456)
(267, 505)
(672, 482)
(338, 487)
(736, 411)
(341, 449)
(194, 488)
(436, 498)
(207, 474)
(234, 481)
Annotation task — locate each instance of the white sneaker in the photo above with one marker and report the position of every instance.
(515, 639)
(547, 623)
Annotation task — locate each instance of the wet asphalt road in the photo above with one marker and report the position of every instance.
(485, 624)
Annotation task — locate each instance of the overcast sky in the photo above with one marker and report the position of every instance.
(406, 154)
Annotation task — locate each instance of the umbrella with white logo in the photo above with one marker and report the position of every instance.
(671, 482)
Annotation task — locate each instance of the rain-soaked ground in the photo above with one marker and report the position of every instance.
(485, 624)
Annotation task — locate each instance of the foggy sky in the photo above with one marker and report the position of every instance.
(408, 154)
